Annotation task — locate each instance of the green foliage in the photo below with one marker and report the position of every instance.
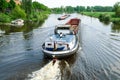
(116, 21)
(39, 11)
(3, 5)
(39, 16)
(104, 17)
(92, 14)
(12, 4)
(79, 9)
(18, 13)
(88, 9)
(116, 27)
(29, 10)
(27, 6)
(4, 18)
(117, 9)
(69, 9)
(57, 10)
(39, 7)
(102, 9)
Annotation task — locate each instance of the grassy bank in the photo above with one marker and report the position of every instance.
(97, 15)
(5, 19)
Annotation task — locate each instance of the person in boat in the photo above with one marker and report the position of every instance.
(68, 47)
(61, 34)
(54, 59)
(55, 46)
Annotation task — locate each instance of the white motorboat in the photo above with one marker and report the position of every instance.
(17, 22)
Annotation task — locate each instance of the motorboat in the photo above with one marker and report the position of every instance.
(17, 22)
(63, 17)
(64, 42)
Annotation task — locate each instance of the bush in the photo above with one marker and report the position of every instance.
(101, 17)
(104, 17)
(116, 21)
(107, 18)
(4, 18)
(18, 13)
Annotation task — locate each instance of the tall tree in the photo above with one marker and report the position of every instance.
(3, 5)
(117, 9)
(27, 6)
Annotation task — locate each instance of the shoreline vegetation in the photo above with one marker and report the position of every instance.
(26, 10)
(29, 10)
(107, 16)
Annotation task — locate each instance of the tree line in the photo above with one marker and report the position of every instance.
(117, 9)
(69, 9)
(28, 9)
(79, 9)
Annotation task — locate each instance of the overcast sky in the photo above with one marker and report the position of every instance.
(59, 3)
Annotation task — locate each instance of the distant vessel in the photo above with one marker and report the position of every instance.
(63, 42)
(17, 22)
(63, 17)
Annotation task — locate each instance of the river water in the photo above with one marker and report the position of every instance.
(98, 57)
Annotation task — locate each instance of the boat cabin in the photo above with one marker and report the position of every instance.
(63, 29)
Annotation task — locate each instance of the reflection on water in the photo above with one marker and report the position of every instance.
(21, 55)
(105, 22)
(115, 28)
(29, 26)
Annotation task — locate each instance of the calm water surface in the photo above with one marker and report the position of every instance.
(21, 57)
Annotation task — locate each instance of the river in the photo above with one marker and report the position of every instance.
(98, 57)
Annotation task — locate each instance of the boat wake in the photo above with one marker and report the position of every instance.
(60, 70)
(48, 72)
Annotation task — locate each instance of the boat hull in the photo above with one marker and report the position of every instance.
(63, 17)
(62, 54)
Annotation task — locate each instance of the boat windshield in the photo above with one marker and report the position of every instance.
(65, 29)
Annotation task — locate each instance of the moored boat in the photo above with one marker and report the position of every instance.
(63, 17)
(17, 22)
(64, 42)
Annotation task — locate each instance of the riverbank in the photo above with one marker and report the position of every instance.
(111, 15)
(6, 19)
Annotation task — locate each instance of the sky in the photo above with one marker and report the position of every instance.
(74, 3)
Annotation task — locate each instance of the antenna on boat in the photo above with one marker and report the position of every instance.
(51, 38)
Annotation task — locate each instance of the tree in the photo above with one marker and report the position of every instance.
(80, 8)
(117, 9)
(12, 4)
(88, 8)
(69, 9)
(3, 5)
(17, 12)
(27, 6)
(39, 7)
